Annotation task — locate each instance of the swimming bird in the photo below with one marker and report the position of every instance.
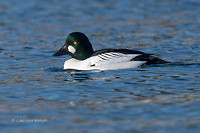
(85, 58)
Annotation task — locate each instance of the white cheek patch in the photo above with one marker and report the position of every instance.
(71, 49)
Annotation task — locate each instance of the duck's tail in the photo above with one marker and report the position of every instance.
(150, 59)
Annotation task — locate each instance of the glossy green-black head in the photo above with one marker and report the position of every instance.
(77, 45)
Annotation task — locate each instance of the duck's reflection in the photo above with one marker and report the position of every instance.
(77, 76)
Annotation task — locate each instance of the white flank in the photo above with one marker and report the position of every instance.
(71, 49)
(117, 61)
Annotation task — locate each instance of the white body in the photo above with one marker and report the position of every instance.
(105, 61)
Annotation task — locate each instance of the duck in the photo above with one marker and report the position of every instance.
(84, 57)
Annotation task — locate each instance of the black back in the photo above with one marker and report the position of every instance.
(123, 51)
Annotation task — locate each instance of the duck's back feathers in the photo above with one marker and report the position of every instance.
(118, 55)
(124, 55)
(122, 51)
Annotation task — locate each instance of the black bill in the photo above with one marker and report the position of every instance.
(62, 51)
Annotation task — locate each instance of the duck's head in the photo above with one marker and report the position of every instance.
(77, 45)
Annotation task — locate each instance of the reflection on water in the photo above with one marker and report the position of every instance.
(77, 76)
(156, 98)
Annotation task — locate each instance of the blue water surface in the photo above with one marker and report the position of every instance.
(37, 95)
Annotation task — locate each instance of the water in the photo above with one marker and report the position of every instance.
(38, 96)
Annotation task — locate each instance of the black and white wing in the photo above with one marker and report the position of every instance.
(113, 57)
(123, 56)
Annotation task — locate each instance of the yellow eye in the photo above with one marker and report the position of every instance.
(75, 42)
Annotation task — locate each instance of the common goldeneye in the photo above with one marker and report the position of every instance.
(85, 58)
